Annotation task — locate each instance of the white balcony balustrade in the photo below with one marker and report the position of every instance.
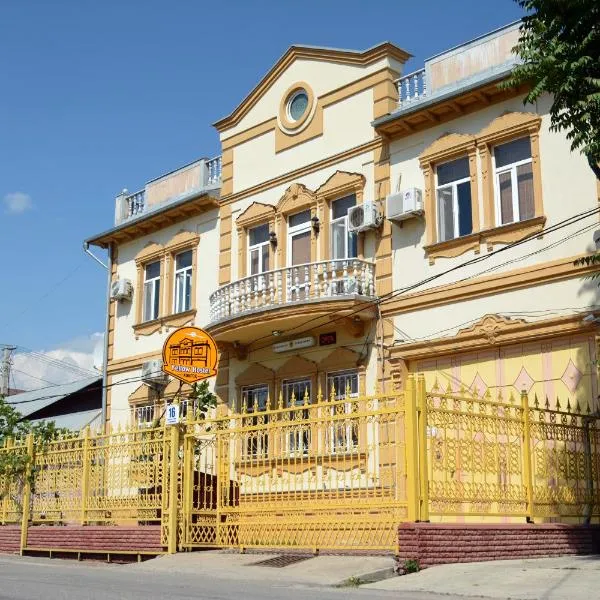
(297, 284)
(411, 87)
(201, 175)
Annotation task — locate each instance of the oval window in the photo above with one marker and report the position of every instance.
(297, 105)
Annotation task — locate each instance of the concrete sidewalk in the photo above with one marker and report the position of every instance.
(563, 578)
(317, 570)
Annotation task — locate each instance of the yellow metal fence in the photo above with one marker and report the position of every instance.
(336, 474)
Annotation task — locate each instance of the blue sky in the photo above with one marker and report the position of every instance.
(102, 95)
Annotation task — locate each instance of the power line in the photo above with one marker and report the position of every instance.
(394, 293)
(44, 296)
(52, 384)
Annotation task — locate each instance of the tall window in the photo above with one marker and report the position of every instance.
(295, 392)
(513, 181)
(299, 238)
(343, 433)
(183, 281)
(258, 249)
(453, 192)
(343, 243)
(255, 400)
(151, 291)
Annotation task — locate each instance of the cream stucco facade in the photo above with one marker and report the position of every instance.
(498, 306)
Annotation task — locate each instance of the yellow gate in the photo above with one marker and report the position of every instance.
(325, 475)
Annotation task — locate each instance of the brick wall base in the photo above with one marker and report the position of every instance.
(10, 538)
(436, 543)
(91, 537)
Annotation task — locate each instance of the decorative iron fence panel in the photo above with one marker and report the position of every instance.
(328, 475)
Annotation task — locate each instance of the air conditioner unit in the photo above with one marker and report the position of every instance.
(363, 216)
(153, 374)
(404, 205)
(121, 289)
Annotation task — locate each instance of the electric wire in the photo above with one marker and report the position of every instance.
(394, 293)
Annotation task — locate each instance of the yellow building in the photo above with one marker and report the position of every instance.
(362, 224)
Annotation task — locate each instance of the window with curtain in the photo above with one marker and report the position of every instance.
(183, 281)
(151, 300)
(344, 244)
(513, 181)
(258, 249)
(295, 391)
(255, 400)
(453, 191)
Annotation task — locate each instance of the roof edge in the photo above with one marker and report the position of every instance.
(356, 57)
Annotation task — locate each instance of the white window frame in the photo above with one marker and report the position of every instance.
(453, 185)
(182, 271)
(295, 230)
(512, 169)
(256, 443)
(150, 284)
(144, 414)
(259, 248)
(299, 439)
(347, 432)
(343, 220)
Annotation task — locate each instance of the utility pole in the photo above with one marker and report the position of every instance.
(5, 369)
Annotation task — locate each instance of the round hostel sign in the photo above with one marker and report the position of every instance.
(190, 354)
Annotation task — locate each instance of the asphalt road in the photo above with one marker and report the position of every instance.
(45, 579)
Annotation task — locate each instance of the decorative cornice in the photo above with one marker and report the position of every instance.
(447, 145)
(493, 330)
(341, 182)
(182, 239)
(297, 197)
(150, 251)
(509, 125)
(256, 213)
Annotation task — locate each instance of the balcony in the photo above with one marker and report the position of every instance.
(314, 288)
(471, 64)
(190, 180)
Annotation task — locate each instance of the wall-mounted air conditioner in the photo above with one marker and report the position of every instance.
(153, 374)
(404, 205)
(121, 289)
(363, 216)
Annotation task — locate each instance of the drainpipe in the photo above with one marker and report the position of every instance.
(589, 476)
(86, 248)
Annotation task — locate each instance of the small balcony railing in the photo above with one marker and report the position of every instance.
(129, 206)
(411, 87)
(297, 284)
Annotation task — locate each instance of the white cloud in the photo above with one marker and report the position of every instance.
(17, 203)
(60, 365)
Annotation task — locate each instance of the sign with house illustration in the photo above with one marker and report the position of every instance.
(190, 355)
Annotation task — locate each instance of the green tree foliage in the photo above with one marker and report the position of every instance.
(559, 45)
(15, 465)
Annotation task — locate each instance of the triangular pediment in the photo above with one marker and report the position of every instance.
(296, 366)
(257, 212)
(448, 143)
(142, 394)
(340, 358)
(296, 53)
(510, 123)
(341, 182)
(254, 374)
(149, 251)
(296, 198)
